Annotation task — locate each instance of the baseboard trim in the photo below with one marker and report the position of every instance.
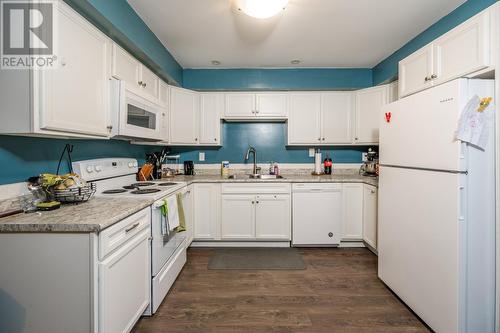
(238, 244)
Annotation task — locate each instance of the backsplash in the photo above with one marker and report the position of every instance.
(22, 157)
(270, 141)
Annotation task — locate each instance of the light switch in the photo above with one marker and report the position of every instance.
(201, 156)
(311, 152)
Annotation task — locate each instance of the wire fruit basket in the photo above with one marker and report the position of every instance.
(74, 195)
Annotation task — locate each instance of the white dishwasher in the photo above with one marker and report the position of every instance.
(317, 214)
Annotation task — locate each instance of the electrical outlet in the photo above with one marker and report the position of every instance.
(311, 152)
(364, 157)
(201, 156)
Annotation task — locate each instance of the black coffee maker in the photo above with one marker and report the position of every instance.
(189, 168)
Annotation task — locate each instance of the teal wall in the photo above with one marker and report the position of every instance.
(269, 139)
(22, 157)
(387, 69)
(278, 79)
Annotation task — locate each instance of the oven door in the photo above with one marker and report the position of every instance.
(163, 246)
(137, 117)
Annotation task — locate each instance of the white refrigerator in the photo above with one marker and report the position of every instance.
(436, 236)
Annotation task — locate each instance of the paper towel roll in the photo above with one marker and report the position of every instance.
(317, 162)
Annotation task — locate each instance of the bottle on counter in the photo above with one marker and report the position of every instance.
(271, 168)
(328, 165)
(224, 169)
(276, 169)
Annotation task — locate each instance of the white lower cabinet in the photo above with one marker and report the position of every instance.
(254, 212)
(188, 205)
(352, 224)
(238, 216)
(370, 215)
(206, 203)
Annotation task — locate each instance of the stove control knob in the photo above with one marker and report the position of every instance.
(90, 169)
(98, 168)
(136, 165)
(130, 164)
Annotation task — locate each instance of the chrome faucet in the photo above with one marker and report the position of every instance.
(247, 156)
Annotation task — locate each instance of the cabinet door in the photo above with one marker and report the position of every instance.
(150, 83)
(163, 93)
(272, 218)
(415, 71)
(352, 212)
(463, 50)
(125, 285)
(369, 104)
(239, 105)
(187, 203)
(238, 216)
(206, 211)
(271, 105)
(304, 119)
(336, 117)
(74, 97)
(126, 68)
(184, 109)
(370, 215)
(211, 108)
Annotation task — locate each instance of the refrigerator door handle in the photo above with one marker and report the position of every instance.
(424, 169)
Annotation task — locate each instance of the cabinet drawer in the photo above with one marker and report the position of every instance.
(317, 186)
(114, 236)
(251, 188)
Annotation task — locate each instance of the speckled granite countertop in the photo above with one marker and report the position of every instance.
(92, 216)
(288, 178)
(100, 212)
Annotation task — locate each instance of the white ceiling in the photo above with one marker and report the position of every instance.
(321, 33)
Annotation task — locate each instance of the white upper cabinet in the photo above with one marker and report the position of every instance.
(248, 106)
(336, 117)
(75, 97)
(126, 67)
(239, 105)
(415, 71)
(163, 94)
(461, 51)
(149, 82)
(304, 119)
(184, 116)
(369, 103)
(138, 77)
(271, 105)
(211, 108)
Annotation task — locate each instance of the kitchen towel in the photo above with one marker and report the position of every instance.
(172, 213)
(475, 122)
(182, 216)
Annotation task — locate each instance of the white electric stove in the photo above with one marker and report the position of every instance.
(116, 177)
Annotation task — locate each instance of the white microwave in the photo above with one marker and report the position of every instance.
(133, 116)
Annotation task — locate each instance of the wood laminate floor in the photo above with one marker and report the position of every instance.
(338, 292)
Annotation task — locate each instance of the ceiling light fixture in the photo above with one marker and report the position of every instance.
(215, 62)
(261, 9)
(295, 62)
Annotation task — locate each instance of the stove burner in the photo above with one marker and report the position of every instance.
(119, 190)
(141, 184)
(130, 187)
(146, 191)
(167, 184)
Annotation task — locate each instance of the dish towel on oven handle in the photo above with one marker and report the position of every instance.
(475, 122)
(164, 219)
(182, 216)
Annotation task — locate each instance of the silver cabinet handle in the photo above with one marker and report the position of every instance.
(427, 79)
(257, 111)
(323, 139)
(319, 139)
(257, 201)
(140, 83)
(195, 139)
(109, 127)
(144, 85)
(253, 202)
(215, 139)
(373, 191)
(135, 225)
(433, 76)
(356, 139)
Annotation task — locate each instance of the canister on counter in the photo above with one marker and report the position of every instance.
(224, 169)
